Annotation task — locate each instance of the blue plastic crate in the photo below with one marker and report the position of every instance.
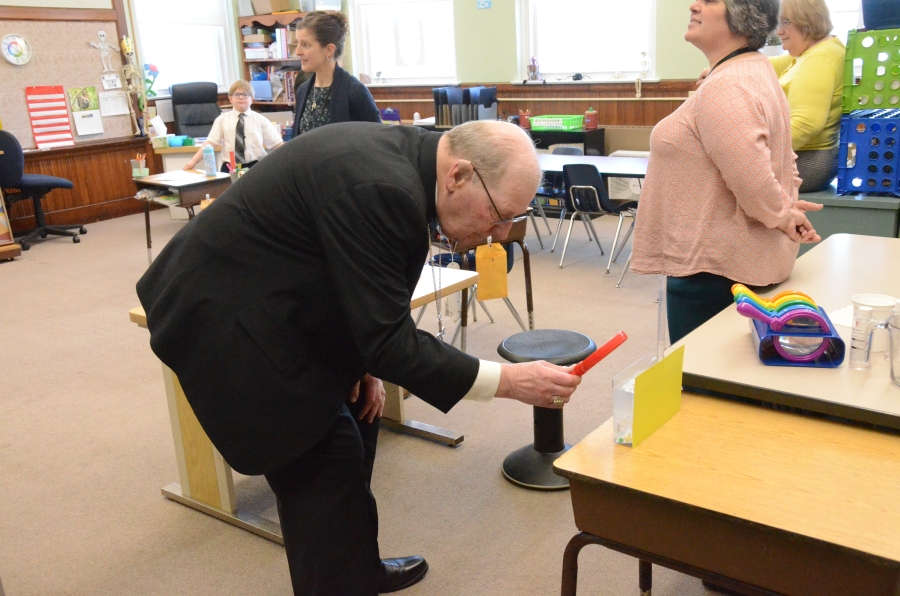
(869, 158)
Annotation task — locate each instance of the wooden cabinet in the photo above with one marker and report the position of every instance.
(272, 66)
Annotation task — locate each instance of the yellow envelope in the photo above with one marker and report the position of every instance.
(490, 262)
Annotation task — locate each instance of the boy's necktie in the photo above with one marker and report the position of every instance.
(239, 140)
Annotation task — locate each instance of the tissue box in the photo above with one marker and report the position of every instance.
(270, 6)
(160, 142)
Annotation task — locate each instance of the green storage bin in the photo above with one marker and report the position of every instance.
(878, 87)
(557, 122)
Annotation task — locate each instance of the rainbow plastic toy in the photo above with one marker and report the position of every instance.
(790, 329)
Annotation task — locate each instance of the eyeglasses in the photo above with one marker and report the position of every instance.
(500, 221)
(240, 95)
(784, 23)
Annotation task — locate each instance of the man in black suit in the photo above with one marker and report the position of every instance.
(282, 305)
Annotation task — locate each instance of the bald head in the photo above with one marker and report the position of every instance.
(497, 149)
(487, 173)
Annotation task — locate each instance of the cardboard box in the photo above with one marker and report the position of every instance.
(270, 6)
(258, 37)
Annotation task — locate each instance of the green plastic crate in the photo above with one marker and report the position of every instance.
(557, 122)
(878, 87)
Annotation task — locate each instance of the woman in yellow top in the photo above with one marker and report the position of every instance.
(812, 76)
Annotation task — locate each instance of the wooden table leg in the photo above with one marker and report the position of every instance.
(205, 479)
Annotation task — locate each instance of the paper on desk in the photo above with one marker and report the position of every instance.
(842, 316)
(158, 126)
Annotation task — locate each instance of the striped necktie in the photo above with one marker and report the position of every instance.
(239, 139)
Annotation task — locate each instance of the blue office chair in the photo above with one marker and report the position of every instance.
(30, 186)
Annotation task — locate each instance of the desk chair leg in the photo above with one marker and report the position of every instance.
(596, 237)
(562, 218)
(613, 253)
(566, 242)
(537, 232)
(585, 220)
(624, 271)
(515, 314)
(624, 241)
(544, 215)
(645, 577)
(486, 311)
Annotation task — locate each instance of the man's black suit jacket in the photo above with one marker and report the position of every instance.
(273, 302)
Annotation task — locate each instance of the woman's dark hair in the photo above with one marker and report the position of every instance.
(754, 19)
(328, 26)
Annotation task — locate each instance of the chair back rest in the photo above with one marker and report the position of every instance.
(585, 190)
(12, 160)
(195, 108)
(563, 150)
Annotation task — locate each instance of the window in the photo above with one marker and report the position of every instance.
(404, 42)
(188, 41)
(845, 15)
(599, 39)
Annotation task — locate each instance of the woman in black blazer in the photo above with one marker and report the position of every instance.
(331, 94)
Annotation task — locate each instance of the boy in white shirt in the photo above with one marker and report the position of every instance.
(249, 134)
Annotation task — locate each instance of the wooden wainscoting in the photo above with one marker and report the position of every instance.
(101, 174)
(615, 102)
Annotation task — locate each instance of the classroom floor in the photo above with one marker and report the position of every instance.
(85, 442)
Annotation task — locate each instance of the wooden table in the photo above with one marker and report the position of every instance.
(744, 496)
(205, 478)
(191, 188)
(720, 355)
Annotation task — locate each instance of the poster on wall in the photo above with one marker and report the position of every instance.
(6, 235)
(49, 116)
(85, 105)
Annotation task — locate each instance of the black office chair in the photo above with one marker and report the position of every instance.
(30, 186)
(195, 108)
(586, 196)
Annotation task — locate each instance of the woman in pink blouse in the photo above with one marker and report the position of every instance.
(718, 206)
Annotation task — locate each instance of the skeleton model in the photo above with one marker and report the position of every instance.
(104, 51)
(134, 79)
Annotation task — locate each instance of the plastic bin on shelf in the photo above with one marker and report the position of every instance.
(566, 123)
(872, 70)
(869, 157)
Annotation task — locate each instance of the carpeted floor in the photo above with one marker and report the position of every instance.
(85, 443)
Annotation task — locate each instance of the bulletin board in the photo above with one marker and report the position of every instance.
(62, 55)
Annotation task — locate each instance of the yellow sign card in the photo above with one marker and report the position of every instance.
(657, 395)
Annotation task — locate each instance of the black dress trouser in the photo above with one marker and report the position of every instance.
(329, 519)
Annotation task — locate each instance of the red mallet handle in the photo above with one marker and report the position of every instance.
(599, 354)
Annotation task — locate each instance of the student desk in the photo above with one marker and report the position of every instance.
(720, 357)
(205, 478)
(743, 496)
(622, 167)
(191, 188)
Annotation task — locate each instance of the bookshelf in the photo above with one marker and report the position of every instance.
(277, 26)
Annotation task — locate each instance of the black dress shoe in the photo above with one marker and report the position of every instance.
(399, 574)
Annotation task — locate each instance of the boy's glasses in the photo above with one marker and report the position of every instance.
(240, 95)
